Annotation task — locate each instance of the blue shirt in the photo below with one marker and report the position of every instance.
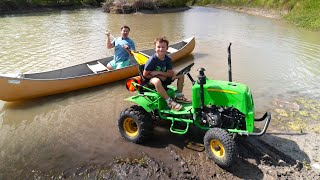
(155, 64)
(120, 54)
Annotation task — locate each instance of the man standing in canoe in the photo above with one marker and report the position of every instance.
(122, 47)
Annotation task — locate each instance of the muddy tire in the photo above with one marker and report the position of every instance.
(220, 146)
(135, 124)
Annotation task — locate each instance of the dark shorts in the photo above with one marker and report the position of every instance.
(167, 82)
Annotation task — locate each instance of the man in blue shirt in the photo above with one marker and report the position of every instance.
(122, 47)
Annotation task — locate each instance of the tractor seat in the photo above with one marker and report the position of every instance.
(145, 81)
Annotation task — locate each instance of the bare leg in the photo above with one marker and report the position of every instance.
(179, 82)
(157, 83)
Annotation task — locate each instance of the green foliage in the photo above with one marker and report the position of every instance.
(252, 3)
(8, 5)
(160, 3)
(304, 13)
(89, 2)
(176, 3)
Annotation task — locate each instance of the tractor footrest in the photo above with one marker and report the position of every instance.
(150, 105)
(184, 111)
(179, 131)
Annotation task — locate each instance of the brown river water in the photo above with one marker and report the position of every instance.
(275, 59)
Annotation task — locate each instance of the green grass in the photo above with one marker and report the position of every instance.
(7, 5)
(303, 13)
(275, 4)
(306, 14)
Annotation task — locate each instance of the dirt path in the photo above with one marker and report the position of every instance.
(276, 155)
(256, 160)
(289, 150)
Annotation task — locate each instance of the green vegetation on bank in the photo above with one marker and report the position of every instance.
(303, 13)
(306, 14)
(18, 5)
(159, 3)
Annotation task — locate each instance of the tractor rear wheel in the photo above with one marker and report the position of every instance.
(220, 146)
(135, 124)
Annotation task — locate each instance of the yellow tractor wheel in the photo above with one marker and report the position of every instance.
(220, 146)
(135, 124)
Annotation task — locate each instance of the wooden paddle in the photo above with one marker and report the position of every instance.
(140, 58)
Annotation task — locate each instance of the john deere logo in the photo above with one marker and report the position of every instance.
(221, 90)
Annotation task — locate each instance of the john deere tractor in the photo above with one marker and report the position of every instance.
(224, 109)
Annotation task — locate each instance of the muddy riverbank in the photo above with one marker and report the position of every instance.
(284, 152)
(257, 160)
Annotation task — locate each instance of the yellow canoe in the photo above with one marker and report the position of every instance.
(17, 87)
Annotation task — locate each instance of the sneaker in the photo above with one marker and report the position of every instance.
(182, 99)
(174, 105)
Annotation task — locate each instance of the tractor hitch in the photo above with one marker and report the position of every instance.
(267, 118)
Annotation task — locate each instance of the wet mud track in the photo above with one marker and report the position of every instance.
(183, 157)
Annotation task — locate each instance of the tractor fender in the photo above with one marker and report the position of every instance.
(143, 102)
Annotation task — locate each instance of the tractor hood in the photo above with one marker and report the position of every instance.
(225, 93)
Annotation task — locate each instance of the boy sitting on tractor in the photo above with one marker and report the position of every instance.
(158, 69)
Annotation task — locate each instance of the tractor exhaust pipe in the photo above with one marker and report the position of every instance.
(229, 62)
(201, 81)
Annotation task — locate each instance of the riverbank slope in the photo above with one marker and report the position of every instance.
(301, 13)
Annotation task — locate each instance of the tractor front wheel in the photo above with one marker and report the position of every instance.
(135, 124)
(220, 146)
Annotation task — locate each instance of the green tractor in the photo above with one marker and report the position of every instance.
(224, 109)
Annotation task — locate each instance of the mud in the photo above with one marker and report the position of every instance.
(279, 154)
(256, 160)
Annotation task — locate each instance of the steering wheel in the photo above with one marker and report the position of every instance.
(185, 70)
